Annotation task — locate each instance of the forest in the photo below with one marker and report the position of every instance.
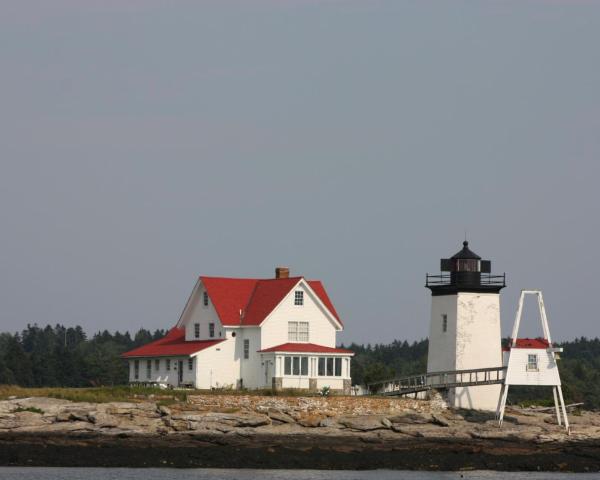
(66, 357)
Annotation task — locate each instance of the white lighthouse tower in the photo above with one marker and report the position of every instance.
(465, 325)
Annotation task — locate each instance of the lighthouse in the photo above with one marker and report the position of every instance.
(465, 332)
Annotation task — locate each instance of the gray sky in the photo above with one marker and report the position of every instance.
(144, 143)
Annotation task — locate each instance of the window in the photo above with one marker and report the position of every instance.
(298, 332)
(329, 366)
(196, 330)
(295, 366)
(211, 330)
(321, 366)
(292, 331)
(287, 366)
(136, 369)
(205, 298)
(303, 331)
(168, 364)
(338, 367)
(246, 349)
(532, 363)
(148, 369)
(303, 365)
(157, 364)
(190, 363)
(299, 297)
(444, 323)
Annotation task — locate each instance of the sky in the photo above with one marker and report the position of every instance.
(144, 143)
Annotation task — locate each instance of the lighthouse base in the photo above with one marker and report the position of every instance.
(484, 397)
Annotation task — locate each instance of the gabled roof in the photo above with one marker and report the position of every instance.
(255, 298)
(541, 343)
(172, 344)
(306, 348)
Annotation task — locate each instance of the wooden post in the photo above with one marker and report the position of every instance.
(556, 406)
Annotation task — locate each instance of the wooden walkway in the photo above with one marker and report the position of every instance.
(439, 381)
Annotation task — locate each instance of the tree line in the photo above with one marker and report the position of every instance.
(66, 357)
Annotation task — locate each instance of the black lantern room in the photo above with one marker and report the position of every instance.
(465, 272)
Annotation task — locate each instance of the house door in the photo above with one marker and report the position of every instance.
(180, 371)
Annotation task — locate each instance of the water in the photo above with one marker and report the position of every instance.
(43, 473)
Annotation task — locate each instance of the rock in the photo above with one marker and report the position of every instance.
(279, 416)
(364, 423)
(412, 418)
(103, 420)
(328, 422)
(164, 411)
(232, 419)
(437, 420)
(386, 422)
(310, 421)
(407, 431)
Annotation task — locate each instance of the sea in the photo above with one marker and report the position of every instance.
(33, 473)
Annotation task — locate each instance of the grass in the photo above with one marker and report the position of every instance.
(125, 393)
(28, 409)
(96, 394)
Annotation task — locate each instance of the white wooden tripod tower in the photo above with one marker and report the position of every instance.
(532, 362)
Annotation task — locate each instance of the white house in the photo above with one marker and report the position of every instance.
(249, 333)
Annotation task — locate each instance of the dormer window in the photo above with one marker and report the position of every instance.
(205, 298)
(299, 298)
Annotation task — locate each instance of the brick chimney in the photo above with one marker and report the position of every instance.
(282, 272)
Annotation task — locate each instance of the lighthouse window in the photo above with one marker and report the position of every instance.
(532, 363)
(468, 265)
(299, 298)
(444, 323)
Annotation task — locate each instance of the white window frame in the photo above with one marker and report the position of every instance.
(205, 298)
(168, 364)
(533, 363)
(191, 363)
(296, 366)
(196, 330)
(211, 330)
(444, 323)
(246, 349)
(292, 331)
(157, 364)
(136, 369)
(148, 369)
(299, 298)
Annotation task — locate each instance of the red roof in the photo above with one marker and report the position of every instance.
(530, 343)
(255, 298)
(173, 343)
(305, 348)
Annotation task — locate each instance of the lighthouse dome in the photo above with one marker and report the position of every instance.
(466, 253)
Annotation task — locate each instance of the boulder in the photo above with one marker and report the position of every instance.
(279, 416)
(364, 423)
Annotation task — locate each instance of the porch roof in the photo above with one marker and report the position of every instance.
(306, 348)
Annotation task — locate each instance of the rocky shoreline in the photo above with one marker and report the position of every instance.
(290, 432)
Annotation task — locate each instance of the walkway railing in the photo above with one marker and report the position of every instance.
(439, 381)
